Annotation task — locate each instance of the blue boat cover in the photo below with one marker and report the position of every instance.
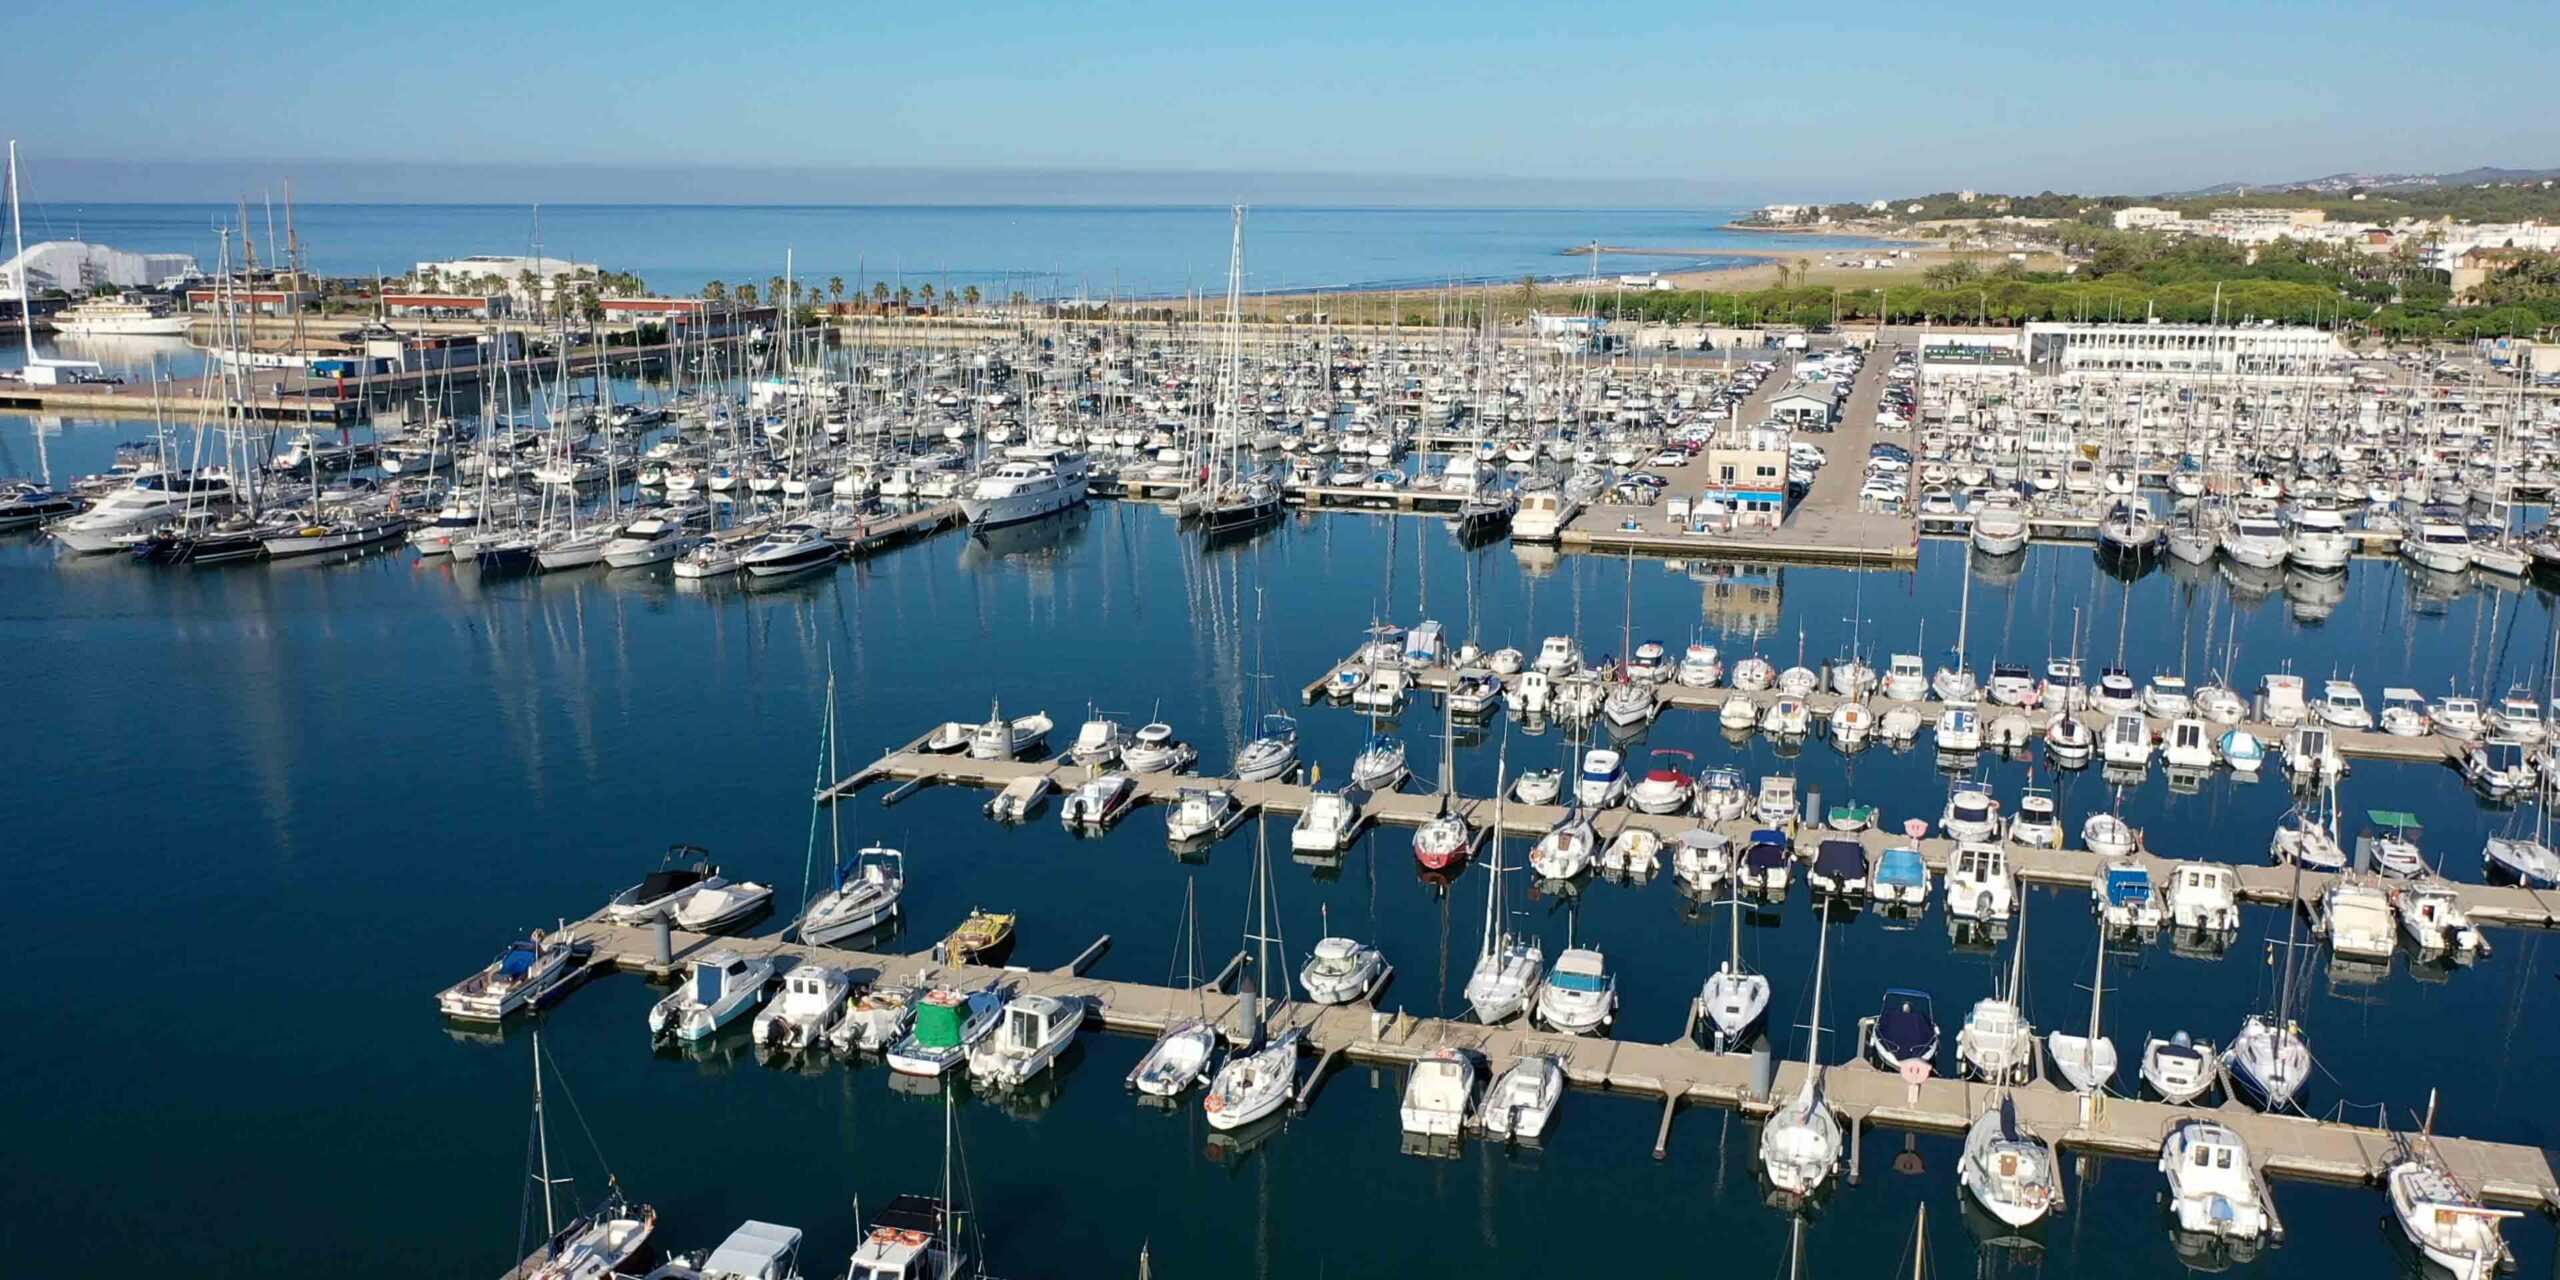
(518, 961)
(1901, 866)
(1908, 1025)
(2127, 886)
(1769, 835)
(1763, 855)
(1841, 860)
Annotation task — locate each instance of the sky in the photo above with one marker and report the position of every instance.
(1419, 101)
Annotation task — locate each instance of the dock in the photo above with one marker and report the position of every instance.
(913, 766)
(1676, 1073)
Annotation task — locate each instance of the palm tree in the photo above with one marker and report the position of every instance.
(835, 290)
(747, 294)
(928, 294)
(970, 295)
(1528, 293)
(879, 291)
(1804, 271)
(714, 291)
(905, 296)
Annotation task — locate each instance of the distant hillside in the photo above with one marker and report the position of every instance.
(2342, 183)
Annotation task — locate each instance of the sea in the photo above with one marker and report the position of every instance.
(1041, 251)
(262, 814)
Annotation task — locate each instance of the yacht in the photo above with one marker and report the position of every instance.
(146, 502)
(2203, 896)
(723, 984)
(798, 1019)
(1523, 1099)
(2256, 540)
(1177, 1059)
(2008, 1170)
(2320, 541)
(1603, 781)
(793, 548)
(1580, 995)
(1327, 825)
(1544, 511)
(2441, 545)
(2000, 526)
(1029, 1036)
(2178, 1069)
(1154, 749)
(1200, 813)
(709, 558)
(1032, 481)
(23, 503)
(527, 975)
(718, 907)
(651, 539)
(1271, 755)
(1566, 850)
(865, 897)
(1978, 883)
(662, 891)
(876, 1019)
(947, 1024)
(1097, 803)
(119, 316)
(2038, 822)
(1438, 1093)
(1100, 742)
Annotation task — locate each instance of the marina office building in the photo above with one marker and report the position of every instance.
(2056, 347)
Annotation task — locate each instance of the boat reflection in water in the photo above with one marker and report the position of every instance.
(1048, 538)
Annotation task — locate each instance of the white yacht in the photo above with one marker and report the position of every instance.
(1032, 481)
(2203, 896)
(1252, 1085)
(1029, 1036)
(1523, 1098)
(1200, 813)
(723, 985)
(2008, 1170)
(1580, 995)
(1154, 749)
(120, 316)
(798, 1019)
(1177, 1059)
(1341, 971)
(1978, 883)
(146, 502)
(2215, 1189)
(2440, 545)
(718, 907)
(1438, 1093)
(524, 976)
(650, 539)
(1544, 512)
(2256, 540)
(947, 1024)
(660, 892)
(1327, 825)
(2320, 541)
(1603, 781)
(2178, 1068)
(793, 548)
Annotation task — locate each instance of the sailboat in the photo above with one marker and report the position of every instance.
(1956, 683)
(862, 896)
(921, 1237)
(2269, 1061)
(1255, 1082)
(1800, 1145)
(1997, 1044)
(1444, 842)
(592, 1246)
(1228, 500)
(2007, 1169)
(1734, 998)
(2088, 1062)
(1508, 965)
(1178, 1058)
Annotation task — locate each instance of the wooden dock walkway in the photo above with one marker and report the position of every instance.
(2257, 881)
(1675, 1073)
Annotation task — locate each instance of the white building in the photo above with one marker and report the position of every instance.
(76, 266)
(2143, 217)
(2264, 350)
(463, 275)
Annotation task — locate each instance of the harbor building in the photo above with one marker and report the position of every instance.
(446, 305)
(2273, 350)
(477, 273)
(77, 266)
(1805, 409)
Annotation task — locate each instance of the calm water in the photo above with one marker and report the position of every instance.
(1045, 251)
(262, 814)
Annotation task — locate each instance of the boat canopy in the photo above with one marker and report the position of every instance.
(2128, 886)
(518, 961)
(1908, 1024)
(1841, 860)
(755, 1251)
(1762, 855)
(938, 1020)
(1901, 867)
(1769, 835)
(2393, 818)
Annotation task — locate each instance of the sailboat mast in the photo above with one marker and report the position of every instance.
(1821, 954)
(542, 1143)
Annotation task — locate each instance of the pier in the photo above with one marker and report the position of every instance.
(2288, 1146)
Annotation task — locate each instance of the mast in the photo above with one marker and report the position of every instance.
(1493, 873)
(542, 1143)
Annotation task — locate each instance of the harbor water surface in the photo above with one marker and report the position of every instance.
(263, 813)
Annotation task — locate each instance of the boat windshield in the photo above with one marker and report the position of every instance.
(1591, 983)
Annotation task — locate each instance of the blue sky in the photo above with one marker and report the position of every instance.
(1406, 101)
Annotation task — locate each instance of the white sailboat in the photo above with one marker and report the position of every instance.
(1183, 1053)
(1508, 965)
(1800, 1145)
(1256, 1081)
(1733, 999)
(2088, 1062)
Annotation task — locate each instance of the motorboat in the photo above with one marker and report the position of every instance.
(1567, 849)
(1634, 851)
(1538, 786)
(2166, 697)
(1474, 695)
(1580, 995)
(2357, 913)
(1753, 674)
(2038, 822)
(2457, 718)
(1097, 803)
(1979, 886)
(1439, 1093)
(721, 986)
(1768, 864)
(1020, 798)
(2498, 767)
(984, 937)
(2000, 526)
(2215, 1189)
(1522, 1100)
(1971, 813)
(2216, 702)
(1720, 796)
(1996, 1044)
(2178, 1069)
(1030, 1034)
(147, 501)
(1701, 667)
(946, 1025)
(1558, 657)
(2009, 1171)
(1327, 825)
(530, 973)
(1002, 739)
(2280, 700)
(648, 540)
(1201, 813)
(2520, 860)
(1899, 725)
(2443, 1219)
(2342, 705)
(663, 890)
(2128, 741)
(2123, 895)
(1254, 1084)
(1903, 1036)
(1787, 716)
(2203, 896)
(1959, 728)
(875, 1019)
(2012, 686)
(1342, 971)
(1154, 749)
(1667, 789)
(789, 549)
(1901, 878)
(2241, 750)
(1177, 1060)
(1030, 482)
(718, 907)
(1775, 805)
(864, 897)
(1701, 859)
(2404, 712)
(1384, 690)
(2108, 836)
(797, 1020)
(1098, 742)
(2516, 718)
(1603, 781)
(1839, 868)
(2440, 545)
(2189, 745)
